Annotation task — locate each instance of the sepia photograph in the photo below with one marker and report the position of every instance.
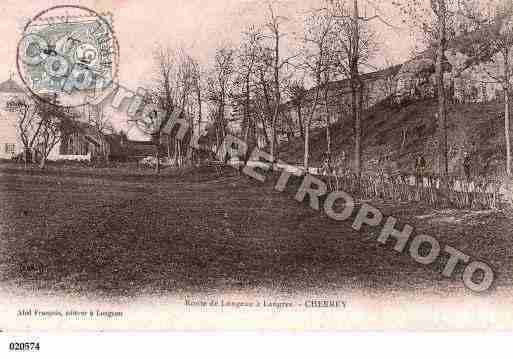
(255, 165)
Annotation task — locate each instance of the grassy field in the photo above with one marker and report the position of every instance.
(111, 233)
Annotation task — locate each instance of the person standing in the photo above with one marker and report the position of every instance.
(467, 165)
(326, 165)
(420, 168)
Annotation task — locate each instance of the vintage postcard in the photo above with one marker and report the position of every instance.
(256, 164)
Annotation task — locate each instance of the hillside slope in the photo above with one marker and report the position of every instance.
(394, 135)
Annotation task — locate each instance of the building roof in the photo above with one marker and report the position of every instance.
(343, 86)
(368, 76)
(10, 86)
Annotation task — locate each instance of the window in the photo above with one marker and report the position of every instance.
(9, 148)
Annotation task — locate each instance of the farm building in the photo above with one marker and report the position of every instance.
(77, 138)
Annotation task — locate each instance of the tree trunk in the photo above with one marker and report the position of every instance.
(300, 121)
(357, 128)
(307, 147)
(307, 128)
(443, 161)
(42, 164)
(506, 111)
(277, 93)
(200, 115)
(356, 89)
(26, 153)
(506, 131)
(246, 112)
(268, 110)
(190, 151)
(328, 123)
(157, 158)
(273, 132)
(217, 138)
(104, 146)
(264, 130)
(328, 136)
(180, 155)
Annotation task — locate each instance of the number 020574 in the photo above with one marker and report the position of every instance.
(23, 346)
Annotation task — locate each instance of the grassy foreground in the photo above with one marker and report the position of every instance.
(109, 233)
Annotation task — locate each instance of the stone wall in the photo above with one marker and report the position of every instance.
(463, 84)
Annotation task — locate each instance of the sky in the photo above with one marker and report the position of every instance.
(199, 26)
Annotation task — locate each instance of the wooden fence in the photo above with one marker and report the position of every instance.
(481, 193)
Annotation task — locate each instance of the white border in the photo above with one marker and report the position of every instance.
(248, 345)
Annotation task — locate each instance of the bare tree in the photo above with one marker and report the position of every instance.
(40, 125)
(327, 77)
(264, 90)
(355, 47)
(500, 36)
(197, 74)
(49, 137)
(275, 32)
(438, 23)
(439, 8)
(297, 92)
(318, 61)
(163, 98)
(102, 125)
(219, 87)
(249, 55)
(29, 124)
(55, 120)
(189, 88)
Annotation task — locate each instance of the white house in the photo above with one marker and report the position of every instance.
(80, 143)
(10, 142)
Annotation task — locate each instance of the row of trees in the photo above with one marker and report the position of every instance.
(258, 75)
(443, 22)
(270, 66)
(273, 65)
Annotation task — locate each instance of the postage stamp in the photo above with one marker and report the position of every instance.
(69, 51)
